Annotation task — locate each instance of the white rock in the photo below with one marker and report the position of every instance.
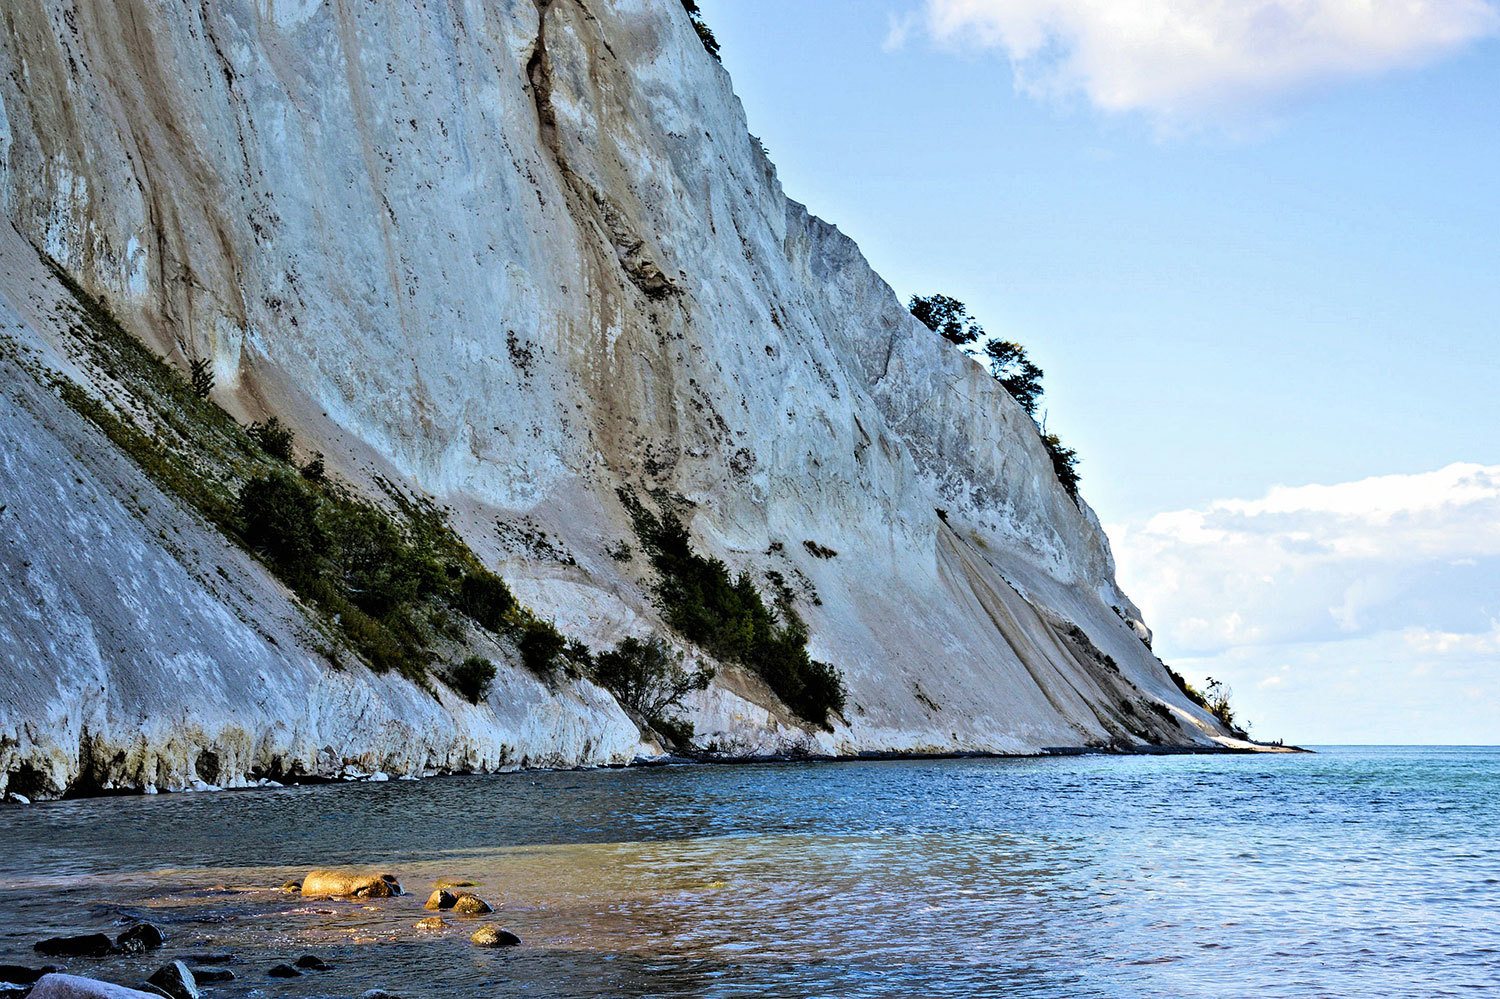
(517, 312)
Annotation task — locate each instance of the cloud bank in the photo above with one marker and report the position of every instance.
(1383, 592)
(1183, 60)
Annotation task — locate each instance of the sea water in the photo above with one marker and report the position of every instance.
(1351, 872)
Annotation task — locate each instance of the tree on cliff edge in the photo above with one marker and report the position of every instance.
(1009, 365)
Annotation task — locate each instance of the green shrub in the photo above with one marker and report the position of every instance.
(472, 678)
(279, 519)
(698, 597)
(315, 470)
(1217, 697)
(483, 596)
(710, 43)
(1187, 689)
(1064, 463)
(947, 317)
(648, 676)
(541, 646)
(201, 377)
(1012, 368)
(380, 571)
(677, 731)
(273, 438)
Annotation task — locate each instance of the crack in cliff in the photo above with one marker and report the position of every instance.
(589, 206)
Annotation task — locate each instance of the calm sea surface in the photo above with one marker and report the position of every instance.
(1354, 872)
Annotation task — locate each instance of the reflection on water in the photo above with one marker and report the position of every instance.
(1355, 872)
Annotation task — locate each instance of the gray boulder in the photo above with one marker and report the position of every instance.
(74, 987)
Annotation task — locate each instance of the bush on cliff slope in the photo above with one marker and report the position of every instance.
(383, 579)
(648, 676)
(727, 616)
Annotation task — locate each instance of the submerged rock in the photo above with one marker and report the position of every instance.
(176, 981)
(84, 945)
(284, 971)
(210, 958)
(432, 923)
(141, 936)
(494, 936)
(212, 976)
(74, 987)
(441, 899)
(291, 887)
(452, 883)
(312, 962)
(471, 905)
(349, 884)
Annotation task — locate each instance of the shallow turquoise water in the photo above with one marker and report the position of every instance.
(1353, 872)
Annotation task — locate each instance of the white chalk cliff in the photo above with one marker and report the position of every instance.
(513, 255)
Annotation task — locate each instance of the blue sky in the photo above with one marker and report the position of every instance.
(1269, 262)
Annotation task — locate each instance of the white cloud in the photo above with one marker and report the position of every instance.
(1396, 578)
(1180, 60)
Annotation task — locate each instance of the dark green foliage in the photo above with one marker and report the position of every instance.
(472, 678)
(541, 646)
(1188, 690)
(384, 581)
(677, 731)
(279, 518)
(201, 377)
(710, 43)
(648, 676)
(1064, 463)
(727, 616)
(1217, 697)
(484, 597)
(379, 569)
(273, 438)
(1014, 371)
(947, 317)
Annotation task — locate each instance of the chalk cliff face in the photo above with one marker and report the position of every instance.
(514, 255)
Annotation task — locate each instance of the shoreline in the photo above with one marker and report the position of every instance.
(686, 759)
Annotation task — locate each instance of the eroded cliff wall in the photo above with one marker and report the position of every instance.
(515, 255)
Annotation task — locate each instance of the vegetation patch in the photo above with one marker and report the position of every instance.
(1009, 365)
(706, 36)
(472, 678)
(387, 582)
(726, 615)
(647, 676)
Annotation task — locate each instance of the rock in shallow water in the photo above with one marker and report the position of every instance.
(432, 923)
(284, 971)
(141, 936)
(349, 884)
(441, 899)
(494, 936)
(84, 945)
(312, 962)
(471, 905)
(452, 883)
(176, 981)
(74, 987)
(212, 976)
